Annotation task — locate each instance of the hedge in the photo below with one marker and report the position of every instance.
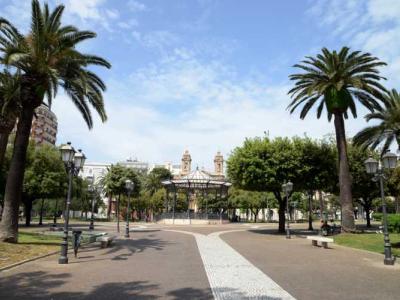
(393, 221)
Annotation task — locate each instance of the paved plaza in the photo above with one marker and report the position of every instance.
(233, 261)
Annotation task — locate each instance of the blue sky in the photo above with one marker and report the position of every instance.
(204, 74)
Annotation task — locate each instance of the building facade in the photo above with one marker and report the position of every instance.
(44, 126)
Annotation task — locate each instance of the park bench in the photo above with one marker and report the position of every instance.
(105, 241)
(316, 238)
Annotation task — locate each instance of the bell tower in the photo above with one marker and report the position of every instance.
(186, 163)
(219, 164)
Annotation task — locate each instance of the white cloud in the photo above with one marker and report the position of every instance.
(372, 26)
(159, 40)
(128, 24)
(136, 6)
(185, 103)
(86, 10)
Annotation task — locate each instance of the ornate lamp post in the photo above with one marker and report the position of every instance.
(90, 180)
(287, 188)
(129, 185)
(73, 163)
(389, 161)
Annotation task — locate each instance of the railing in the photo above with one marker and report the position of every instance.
(193, 216)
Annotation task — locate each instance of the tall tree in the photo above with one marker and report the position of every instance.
(387, 130)
(336, 80)
(9, 107)
(48, 58)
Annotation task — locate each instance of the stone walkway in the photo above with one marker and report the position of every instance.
(230, 275)
(213, 262)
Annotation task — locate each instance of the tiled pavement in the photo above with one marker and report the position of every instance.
(159, 264)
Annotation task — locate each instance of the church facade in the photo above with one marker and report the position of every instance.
(186, 166)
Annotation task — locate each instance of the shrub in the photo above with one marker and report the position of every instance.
(377, 216)
(393, 221)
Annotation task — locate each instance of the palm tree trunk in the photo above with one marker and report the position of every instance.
(15, 178)
(3, 145)
(346, 200)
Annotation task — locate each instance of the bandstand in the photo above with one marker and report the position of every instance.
(197, 185)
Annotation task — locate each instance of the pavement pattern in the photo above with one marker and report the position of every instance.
(231, 276)
(230, 261)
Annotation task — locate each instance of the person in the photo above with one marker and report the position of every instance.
(325, 228)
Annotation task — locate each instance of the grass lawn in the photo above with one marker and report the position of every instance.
(369, 241)
(29, 245)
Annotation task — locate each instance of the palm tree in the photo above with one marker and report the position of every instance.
(9, 108)
(388, 130)
(47, 58)
(335, 81)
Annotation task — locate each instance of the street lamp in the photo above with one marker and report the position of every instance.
(376, 168)
(73, 162)
(90, 180)
(287, 188)
(129, 185)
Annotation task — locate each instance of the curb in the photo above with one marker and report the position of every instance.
(37, 257)
(27, 260)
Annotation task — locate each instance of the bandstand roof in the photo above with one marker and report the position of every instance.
(197, 179)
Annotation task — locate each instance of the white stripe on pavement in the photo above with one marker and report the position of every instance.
(231, 276)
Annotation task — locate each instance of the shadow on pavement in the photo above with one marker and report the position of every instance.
(296, 232)
(42, 285)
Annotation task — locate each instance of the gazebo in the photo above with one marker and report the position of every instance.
(197, 181)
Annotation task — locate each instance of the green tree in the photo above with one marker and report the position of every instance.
(114, 184)
(263, 165)
(254, 201)
(319, 169)
(47, 58)
(387, 130)
(155, 177)
(335, 80)
(45, 177)
(364, 188)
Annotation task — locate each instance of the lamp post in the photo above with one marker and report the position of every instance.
(129, 185)
(90, 180)
(287, 188)
(389, 161)
(73, 162)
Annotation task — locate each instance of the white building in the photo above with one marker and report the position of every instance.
(173, 168)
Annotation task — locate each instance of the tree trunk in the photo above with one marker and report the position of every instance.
(119, 196)
(28, 212)
(15, 178)
(255, 212)
(367, 215)
(109, 207)
(3, 146)
(310, 219)
(41, 213)
(281, 212)
(321, 205)
(344, 175)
